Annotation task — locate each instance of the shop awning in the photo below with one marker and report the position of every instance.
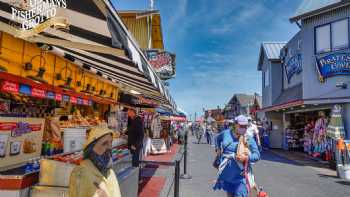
(283, 106)
(101, 43)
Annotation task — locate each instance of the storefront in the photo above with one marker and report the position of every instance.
(56, 83)
(304, 79)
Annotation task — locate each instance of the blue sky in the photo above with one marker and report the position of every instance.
(217, 45)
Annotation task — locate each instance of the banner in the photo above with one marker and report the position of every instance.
(163, 63)
(293, 66)
(20, 140)
(332, 65)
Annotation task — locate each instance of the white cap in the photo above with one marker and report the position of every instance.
(241, 120)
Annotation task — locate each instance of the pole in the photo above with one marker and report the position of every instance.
(185, 175)
(177, 179)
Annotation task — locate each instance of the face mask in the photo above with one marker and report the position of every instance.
(102, 162)
(241, 131)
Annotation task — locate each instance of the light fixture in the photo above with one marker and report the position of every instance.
(303, 106)
(134, 92)
(69, 57)
(341, 85)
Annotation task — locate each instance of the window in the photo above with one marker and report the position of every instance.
(332, 37)
(340, 35)
(266, 78)
(323, 39)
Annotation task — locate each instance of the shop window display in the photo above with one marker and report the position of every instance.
(307, 133)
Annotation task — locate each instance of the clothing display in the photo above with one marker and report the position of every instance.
(307, 133)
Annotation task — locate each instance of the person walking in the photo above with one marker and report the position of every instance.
(95, 176)
(208, 133)
(135, 133)
(236, 152)
(199, 132)
(253, 132)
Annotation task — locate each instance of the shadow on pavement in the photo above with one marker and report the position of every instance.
(295, 158)
(327, 176)
(343, 182)
(269, 156)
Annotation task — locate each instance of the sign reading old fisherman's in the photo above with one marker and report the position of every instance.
(35, 16)
(333, 64)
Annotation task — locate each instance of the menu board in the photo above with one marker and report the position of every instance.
(20, 140)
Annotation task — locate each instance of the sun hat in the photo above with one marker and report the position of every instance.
(96, 133)
(241, 120)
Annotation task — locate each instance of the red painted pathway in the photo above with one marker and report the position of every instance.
(152, 186)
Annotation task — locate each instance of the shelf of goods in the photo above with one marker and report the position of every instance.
(51, 176)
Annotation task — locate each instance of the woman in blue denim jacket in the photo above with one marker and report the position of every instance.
(231, 176)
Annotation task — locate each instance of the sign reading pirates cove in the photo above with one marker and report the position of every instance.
(333, 64)
(35, 16)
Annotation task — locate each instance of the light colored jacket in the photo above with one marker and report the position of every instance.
(87, 181)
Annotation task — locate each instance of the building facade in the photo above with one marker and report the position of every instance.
(242, 104)
(311, 73)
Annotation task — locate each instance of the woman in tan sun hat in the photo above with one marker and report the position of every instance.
(94, 176)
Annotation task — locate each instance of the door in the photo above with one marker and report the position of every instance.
(276, 134)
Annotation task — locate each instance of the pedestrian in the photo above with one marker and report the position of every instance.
(208, 133)
(253, 132)
(94, 176)
(237, 152)
(135, 133)
(199, 132)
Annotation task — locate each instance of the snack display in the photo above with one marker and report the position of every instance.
(29, 146)
(3, 144)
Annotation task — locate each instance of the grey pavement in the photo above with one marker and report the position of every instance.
(282, 177)
(200, 158)
(279, 176)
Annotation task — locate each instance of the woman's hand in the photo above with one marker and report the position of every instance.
(242, 157)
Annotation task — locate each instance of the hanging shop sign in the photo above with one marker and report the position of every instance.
(58, 97)
(25, 89)
(65, 98)
(37, 15)
(11, 87)
(20, 140)
(50, 95)
(163, 62)
(85, 102)
(293, 66)
(332, 65)
(73, 100)
(38, 93)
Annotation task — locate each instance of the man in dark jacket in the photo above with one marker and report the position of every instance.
(135, 136)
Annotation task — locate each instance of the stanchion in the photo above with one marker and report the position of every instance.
(177, 179)
(185, 175)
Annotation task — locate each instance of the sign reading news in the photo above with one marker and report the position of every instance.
(37, 15)
(293, 66)
(333, 64)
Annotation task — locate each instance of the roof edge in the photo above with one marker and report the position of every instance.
(322, 10)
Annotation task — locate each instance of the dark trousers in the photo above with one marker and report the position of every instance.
(208, 136)
(136, 156)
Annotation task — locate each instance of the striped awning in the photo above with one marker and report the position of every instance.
(98, 41)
